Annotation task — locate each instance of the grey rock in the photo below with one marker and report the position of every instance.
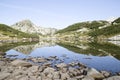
(113, 78)
(49, 70)
(79, 77)
(105, 73)
(88, 78)
(4, 75)
(21, 63)
(64, 76)
(95, 74)
(47, 64)
(39, 60)
(56, 75)
(34, 69)
(61, 65)
(50, 76)
(24, 78)
(64, 70)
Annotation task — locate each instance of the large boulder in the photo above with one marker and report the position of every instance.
(21, 63)
(95, 74)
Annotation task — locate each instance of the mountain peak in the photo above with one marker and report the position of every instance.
(112, 19)
(29, 27)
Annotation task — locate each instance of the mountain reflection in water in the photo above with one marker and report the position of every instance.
(102, 55)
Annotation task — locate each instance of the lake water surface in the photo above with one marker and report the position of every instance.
(101, 56)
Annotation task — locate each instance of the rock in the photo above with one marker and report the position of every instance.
(61, 65)
(2, 63)
(47, 64)
(17, 72)
(49, 70)
(24, 78)
(39, 60)
(64, 76)
(74, 71)
(56, 75)
(73, 64)
(4, 75)
(52, 58)
(21, 63)
(79, 77)
(64, 70)
(33, 69)
(39, 78)
(88, 78)
(95, 74)
(50, 76)
(33, 78)
(73, 79)
(105, 73)
(113, 78)
(2, 53)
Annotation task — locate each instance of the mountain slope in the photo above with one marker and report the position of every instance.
(29, 27)
(89, 25)
(7, 31)
(94, 29)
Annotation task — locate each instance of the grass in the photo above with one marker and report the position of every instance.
(8, 31)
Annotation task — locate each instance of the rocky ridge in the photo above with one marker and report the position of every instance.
(29, 27)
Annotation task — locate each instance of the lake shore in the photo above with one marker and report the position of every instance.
(28, 69)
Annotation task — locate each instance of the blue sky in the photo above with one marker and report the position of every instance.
(57, 13)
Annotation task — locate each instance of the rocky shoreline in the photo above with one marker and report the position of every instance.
(27, 69)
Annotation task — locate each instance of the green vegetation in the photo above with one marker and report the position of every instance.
(94, 48)
(95, 29)
(117, 20)
(8, 31)
(108, 31)
(89, 25)
(7, 46)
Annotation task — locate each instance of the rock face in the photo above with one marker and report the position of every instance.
(29, 27)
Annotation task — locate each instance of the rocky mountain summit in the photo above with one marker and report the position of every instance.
(29, 27)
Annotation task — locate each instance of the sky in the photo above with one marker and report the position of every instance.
(57, 13)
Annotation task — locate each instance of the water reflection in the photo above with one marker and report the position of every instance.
(93, 48)
(100, 55)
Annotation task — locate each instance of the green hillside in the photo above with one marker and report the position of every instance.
(95, 29)
(8, 31)
(89, 25)
(108, 31)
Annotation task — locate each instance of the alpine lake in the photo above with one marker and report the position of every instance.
(98, 55)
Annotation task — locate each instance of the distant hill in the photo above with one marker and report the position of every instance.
(93, 29)
(7, 31)
(28, 27)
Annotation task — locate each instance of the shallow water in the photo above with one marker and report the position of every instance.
(92, 55)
